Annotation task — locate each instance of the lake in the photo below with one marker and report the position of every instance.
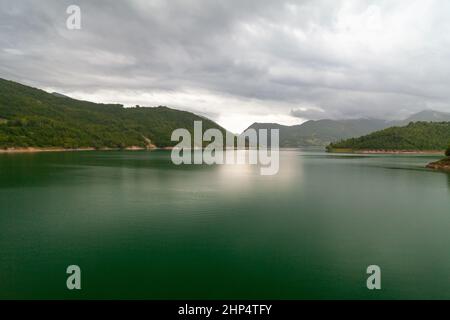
(140, 227)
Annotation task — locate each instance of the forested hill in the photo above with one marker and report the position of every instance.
(414, 136)
(31, 117)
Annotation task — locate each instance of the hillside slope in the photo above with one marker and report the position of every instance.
(414, 136)
(31, 117)
(322, 132)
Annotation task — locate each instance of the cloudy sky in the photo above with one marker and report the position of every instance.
(237, 62)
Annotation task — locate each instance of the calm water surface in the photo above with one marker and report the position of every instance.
(140, 227)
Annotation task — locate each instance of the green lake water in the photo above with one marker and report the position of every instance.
(140, 227)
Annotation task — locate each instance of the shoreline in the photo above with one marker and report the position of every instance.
(374, 151)
(136, 148)
(58, 149)
(36, 150)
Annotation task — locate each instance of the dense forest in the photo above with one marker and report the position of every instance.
(31, 117)
(414, 136)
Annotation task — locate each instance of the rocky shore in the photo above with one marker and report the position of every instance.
(443, 164)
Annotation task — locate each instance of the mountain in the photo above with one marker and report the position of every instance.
(428, 116)
(413, 137)
(324, 132)
(59, 95)
(31, 117)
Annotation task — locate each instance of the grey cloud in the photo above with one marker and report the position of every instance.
(311, 114)
(319, 54)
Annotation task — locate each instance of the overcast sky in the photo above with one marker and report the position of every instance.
(237, 62)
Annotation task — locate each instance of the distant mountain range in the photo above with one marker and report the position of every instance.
(31, 117)
(324, 132)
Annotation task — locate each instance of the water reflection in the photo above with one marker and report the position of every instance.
(448, 181)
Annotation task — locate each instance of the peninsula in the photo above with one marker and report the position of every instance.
(417, 137)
